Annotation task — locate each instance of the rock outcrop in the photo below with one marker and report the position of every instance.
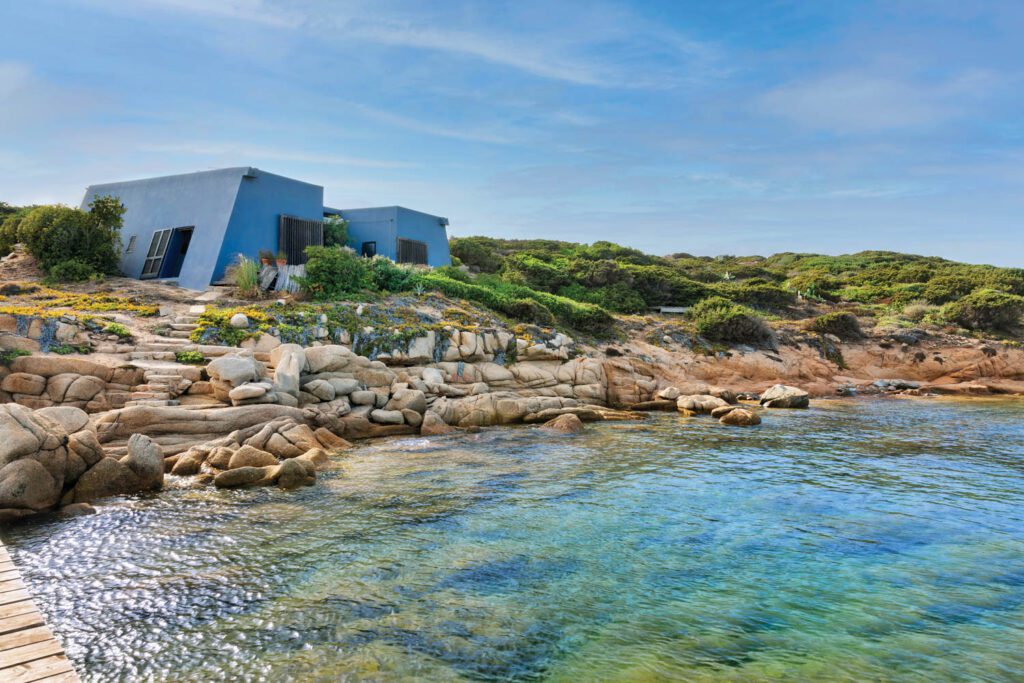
(782, 396)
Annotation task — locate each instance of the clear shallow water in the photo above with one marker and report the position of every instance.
(879, 540)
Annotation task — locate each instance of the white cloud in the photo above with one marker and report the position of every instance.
(421, 126)
(854, 102)
(254, 11)
(241, 153)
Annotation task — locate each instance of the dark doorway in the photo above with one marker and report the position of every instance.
(369, 249)
(176, 250)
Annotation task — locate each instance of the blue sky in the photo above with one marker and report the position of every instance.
(719, 127)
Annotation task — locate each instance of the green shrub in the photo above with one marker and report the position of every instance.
(759, 295)
(388, 276)
(71, 270)
(663, 286)
(53, 234)
(527, 269)
(986, 309)
(245, 274)
(335, 231)
(7, 356)
(946, 288)
(9, 223)
(333, 273)
(190, 357)
(118, 329)
(452, 272)
(719, 319)
(840, 323)
(477, 252)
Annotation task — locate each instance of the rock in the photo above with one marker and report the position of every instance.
(433, 425)
(331, 358)
(702, 404)
(49, 366)
(722, 410)
(77, 510)
(146, 459)
(239, 320)
(70, 419)
(235, 369)
(412, 418)
(316, 457)
(247, 456)
(220, 457)
(432, 376)
(330, 441)
(23, 383)
(412, 399)
(108, 477)
(363, 398)
(782, 396)
(669, 394)
(660, 404)
(320, 388)
(740, 417)
(291, 475)
(28, 485)
(242, 476)
(564, 424)
(387, 417)
(187, 464)
(343, 386)
(288, 371)
(247, 391)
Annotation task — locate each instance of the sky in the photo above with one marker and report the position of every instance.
(719, 127)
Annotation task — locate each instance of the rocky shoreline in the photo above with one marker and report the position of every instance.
(79, 429)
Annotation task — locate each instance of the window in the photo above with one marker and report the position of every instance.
(295, 234)
(131, 245)
(155, 255)
(412, 251)
(369, 249)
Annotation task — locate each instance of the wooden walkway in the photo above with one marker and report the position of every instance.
(28, 651)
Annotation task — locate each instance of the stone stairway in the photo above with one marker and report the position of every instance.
(164, 384)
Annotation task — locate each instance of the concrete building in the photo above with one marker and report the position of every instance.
(191, 227)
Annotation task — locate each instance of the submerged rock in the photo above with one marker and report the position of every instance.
(740, 417)
(564, 424)
(701, 404)
(433, 425)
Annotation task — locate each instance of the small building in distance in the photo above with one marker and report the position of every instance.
(400, 234)
(189, 228)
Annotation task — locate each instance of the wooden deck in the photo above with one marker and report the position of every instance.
(28, 651)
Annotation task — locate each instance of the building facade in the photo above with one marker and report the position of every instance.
(189, 228)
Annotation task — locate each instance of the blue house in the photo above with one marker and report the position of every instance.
(189, 228)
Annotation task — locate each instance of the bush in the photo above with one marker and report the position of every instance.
(759, 295)
(453, 273)
(53, 234)
(986, 309)
(527, 269)
(946, 288)
(663, 286)
(245, 273)
(190, 357)
(71, 270)
(387, 276)
(118, 329)
(477, 252)
(7, 356)
(841, 324)
(918, 310)
(333, 273)
(335, 231)
(719, 319)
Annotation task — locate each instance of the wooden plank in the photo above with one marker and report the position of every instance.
(11, 624)
(27, 637)
(13, 585)
(13, 609)
(9, 575)
(28, 653)
(34, 671)
(7, 566)
(66, 677)
(14, 596)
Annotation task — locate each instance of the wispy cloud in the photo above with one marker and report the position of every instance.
(422, 126)
(254, 11)
(239, 152)
(854, 102)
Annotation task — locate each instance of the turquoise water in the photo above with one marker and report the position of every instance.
(865, 540)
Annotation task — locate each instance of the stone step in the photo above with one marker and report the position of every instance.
(163, 344)
(156, 378)
(152, 355)
(150, 403)
(183, 327)
(186, 320)
(179, 334)
(149, 396)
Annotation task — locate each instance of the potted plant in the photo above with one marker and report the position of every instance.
(282, 259)
(266, 257)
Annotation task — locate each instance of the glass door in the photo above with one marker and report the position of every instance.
(155, 256)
